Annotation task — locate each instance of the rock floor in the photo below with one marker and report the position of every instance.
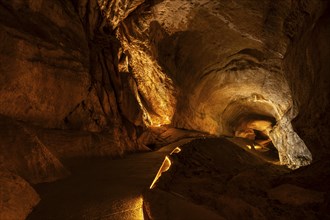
(214, 178)
(101, 188)
(209, 177)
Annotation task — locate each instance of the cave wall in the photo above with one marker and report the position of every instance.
(59, 69)
(114, 66)
(61, 95)
(44, 61)
(307, 65)
(210, 57)
(85, 78)
(226, 61)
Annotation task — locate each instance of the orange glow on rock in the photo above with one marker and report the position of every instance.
(257, 147)
(165, 167)
(176, 151)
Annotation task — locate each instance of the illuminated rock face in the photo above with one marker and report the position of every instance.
(119, 66)
(206, 66)
(224, 60)
(153, 88)
(58, 69)
(44, 62)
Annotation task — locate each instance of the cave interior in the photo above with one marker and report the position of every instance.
(164, 109)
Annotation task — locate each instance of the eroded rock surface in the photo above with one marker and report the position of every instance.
(44, 61)
(17, 197)
(22, 153)
(307, 63)
(108, 69)
(224, 63)
(59, 66)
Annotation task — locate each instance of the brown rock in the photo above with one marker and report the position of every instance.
(17, 197)
(22, 153)
(236, 208)
(162, 205)
(295, 195)
(226, 61)
(58, 70)
(43, 62)
(117, 10)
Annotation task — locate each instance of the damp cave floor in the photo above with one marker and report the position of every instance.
(106, 189)
(101, 188)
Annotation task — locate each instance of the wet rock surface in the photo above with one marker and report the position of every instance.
(100, 188)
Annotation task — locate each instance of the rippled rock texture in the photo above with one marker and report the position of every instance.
(213, 66)
(59, 68)
(44, 61)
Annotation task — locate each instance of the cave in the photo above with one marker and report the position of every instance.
(164, 109)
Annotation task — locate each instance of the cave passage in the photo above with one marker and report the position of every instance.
(164, 109)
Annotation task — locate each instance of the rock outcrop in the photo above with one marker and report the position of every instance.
(59, 66)
(22, 153)
(17, 197)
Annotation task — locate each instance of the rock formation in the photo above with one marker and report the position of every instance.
(23, 153)
(107, 77)
(17, 197)
(218, 180)
(223, 69)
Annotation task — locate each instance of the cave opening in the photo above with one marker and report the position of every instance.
(254, 129)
